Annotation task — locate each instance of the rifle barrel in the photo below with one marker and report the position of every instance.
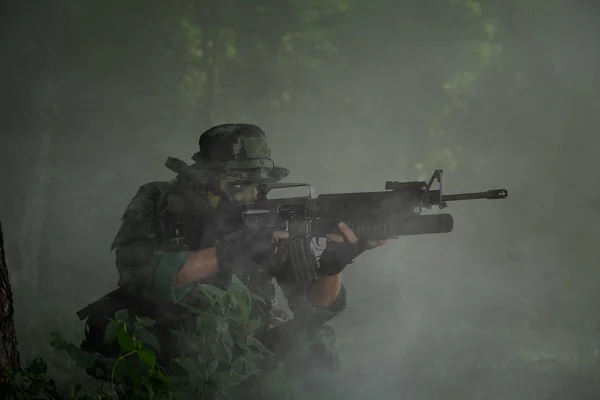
(490, 195)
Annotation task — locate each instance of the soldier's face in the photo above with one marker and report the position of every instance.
(239, 191)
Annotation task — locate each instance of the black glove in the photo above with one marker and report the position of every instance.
(337, 256)
(246, 252)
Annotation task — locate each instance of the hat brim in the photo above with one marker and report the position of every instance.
(204, 172)
(274, 174)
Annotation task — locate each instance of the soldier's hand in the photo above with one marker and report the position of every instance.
(279, 235)
(342, 249)
(349, 235)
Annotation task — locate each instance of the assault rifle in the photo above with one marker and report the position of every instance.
(395, 212)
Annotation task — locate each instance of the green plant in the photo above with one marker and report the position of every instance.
(218, 356)
(31, 382)
(222, 353)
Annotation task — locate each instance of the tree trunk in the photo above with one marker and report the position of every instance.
(9, 353)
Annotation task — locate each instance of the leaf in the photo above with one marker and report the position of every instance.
(244, 305)
(37, 367)
(212, 367)
(193, 310)
(222, 325)
(149, 339)
(227, 301)
(182, 338)
(228, 379)
(211, 290)
(58, 342)
(253, 325)
(148, 357)
(235, 294)
(188, 365)
(158, 374)
(256, 297)
(238, 366)
(122, 315)
(237, 281)
(227, 348)
(257, 344)
(81, 357)
(147, 322)
(226, 338)
(126, 342)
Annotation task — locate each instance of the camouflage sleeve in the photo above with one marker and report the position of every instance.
(297, 297)
(142, 261)
(152, 270)
(169, 264)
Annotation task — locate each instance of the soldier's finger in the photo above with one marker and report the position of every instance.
(376, 243)
(348, 233)
(277, 235)
(333, 237)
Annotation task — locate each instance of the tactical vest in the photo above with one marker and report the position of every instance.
(172, 216)
(167, 212)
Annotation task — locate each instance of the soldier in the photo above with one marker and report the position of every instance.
(186, 231)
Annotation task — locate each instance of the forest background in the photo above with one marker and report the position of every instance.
(95, 95)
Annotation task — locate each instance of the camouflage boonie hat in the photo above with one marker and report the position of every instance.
(235, 151)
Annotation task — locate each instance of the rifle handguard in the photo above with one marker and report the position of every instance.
(402, 225)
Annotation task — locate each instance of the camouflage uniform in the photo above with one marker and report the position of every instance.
(166, 222)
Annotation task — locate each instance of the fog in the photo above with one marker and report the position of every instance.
(94, 99)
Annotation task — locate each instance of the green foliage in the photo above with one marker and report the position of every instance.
(216, 357)
(481, 52)
(31, 382)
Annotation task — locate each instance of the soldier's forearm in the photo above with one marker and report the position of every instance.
(201, 265)
(325, 291)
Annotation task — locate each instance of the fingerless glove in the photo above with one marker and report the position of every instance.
(337, 256)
